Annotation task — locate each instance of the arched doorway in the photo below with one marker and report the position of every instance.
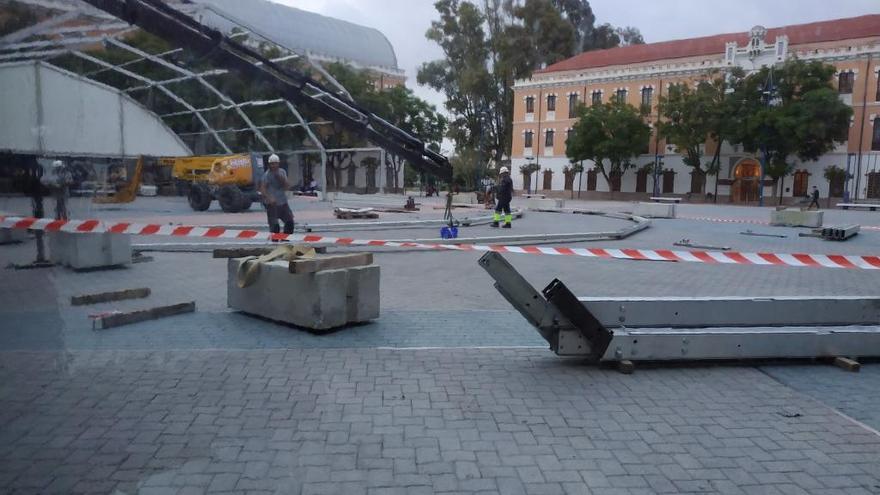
(745, 181)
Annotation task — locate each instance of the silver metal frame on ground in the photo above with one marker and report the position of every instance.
(696, 328)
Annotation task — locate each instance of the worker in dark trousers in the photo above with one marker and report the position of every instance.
(505, 194)
(815, 198)
(58, 181)
(273, 188)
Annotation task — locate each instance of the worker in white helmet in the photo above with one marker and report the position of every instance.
(504, 195)
(273, 188)
(58, 180)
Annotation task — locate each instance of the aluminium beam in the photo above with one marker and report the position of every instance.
(698, 328)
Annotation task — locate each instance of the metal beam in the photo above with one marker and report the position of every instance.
(200, 79)
(163, 89)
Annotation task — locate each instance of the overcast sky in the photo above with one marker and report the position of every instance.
(404, 22)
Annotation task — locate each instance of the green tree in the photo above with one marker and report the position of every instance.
(791, 111)
(692, 116)
(608, 133)
(589, 36)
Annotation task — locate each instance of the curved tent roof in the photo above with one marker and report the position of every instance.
(303, 31)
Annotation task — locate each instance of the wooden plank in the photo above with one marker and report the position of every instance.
(120, 319)
(847, 364)
(331, 262)
(253, 251)
(117, 295)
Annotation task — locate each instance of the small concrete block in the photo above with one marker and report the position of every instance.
(847, 364)
(791, 217)
(11, 236)
(655, 210)
(85, 251)
(317, 301)
(539, 204)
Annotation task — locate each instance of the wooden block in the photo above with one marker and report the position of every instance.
(330, 262)
(626, 367)
(847, 364)
(120, 319)
(117, 295)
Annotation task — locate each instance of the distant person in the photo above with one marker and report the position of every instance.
(58, 181)
(814, 198)
(503, 198)
(273, 188)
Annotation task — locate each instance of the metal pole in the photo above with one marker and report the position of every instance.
(849, 160)
(581, 174)
(656, 187)
(762, 165)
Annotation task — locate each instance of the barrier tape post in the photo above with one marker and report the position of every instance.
(862, 262)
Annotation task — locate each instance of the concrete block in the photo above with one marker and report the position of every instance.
(540, 204)
(146, 190)
(655, 210)
(86, 251)
(10, 236)
(319, 301)
(465, 198)
(794, 217)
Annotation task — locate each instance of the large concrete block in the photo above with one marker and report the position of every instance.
(655, 210)
(542, 204)
(10, 236)
(319, 301)
(795, 217)
(87, 251)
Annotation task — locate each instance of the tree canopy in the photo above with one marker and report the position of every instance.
(608, 133)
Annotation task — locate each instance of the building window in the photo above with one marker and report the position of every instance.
(530, 104)
(551, 103)
(548, 140)
(621, 96)
(877, 96)
(845, 82)
(572, 105)
(528, 139)
(647, 96)
(568, 134)
(875, 143)
(597, 97)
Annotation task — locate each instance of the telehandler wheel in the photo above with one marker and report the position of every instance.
(231, 199)
(199, 197)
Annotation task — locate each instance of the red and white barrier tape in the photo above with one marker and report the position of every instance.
(712, 257)
(753, 222)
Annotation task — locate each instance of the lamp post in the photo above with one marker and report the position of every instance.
(771, 100)
(529, 161)
(849, 160)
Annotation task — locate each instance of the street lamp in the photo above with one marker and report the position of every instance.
(771, 100)
(529, 160)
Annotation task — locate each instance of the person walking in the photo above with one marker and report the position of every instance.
(273, 188)
(505, 194)
(815, 198)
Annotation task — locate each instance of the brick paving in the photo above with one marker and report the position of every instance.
(412, 421)
(217, 401)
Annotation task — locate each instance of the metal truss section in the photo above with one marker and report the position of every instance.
(696, 328)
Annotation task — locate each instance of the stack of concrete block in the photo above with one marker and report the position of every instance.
(318, 294)
(655, 210)
(543, 204)
(796, 217)
(89, 251)
(12, 236)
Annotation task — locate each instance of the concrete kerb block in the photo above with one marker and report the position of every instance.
(318, 301)
(12, 236)
(655, 210)
(538, 203)
(81, 251)
(795, 217)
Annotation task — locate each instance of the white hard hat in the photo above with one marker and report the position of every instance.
(273, 158)
(505, 170)
(57, 164)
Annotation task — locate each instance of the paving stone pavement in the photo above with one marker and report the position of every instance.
(412, 421)
(218, 401)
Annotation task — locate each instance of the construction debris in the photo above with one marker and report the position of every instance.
(761, 234)
(837, 233)
(689, 244)
(349, 213)
(102, 297)
(117, 319)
